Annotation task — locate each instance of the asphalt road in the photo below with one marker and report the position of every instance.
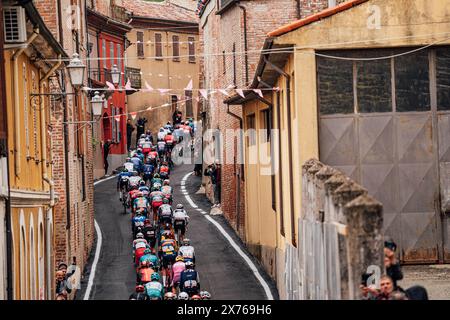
(222, 270)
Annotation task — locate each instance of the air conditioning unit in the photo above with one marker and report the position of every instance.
(14, 24)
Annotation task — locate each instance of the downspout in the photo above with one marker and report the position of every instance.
(239, 175)
(45, 177)
(17, 98)
(288, 98)
(299, 10)
(244, 11)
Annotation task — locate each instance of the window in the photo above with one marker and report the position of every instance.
(443, 78)
(335, 79)
(176, 48)
(251, 132)
(102, 61)
(113, 124)
(25, 109)
(374, 86)
(412, 82)
(111, 55)
(191, 41)
(234, 64)
(265, 124)
(118, 134)
(189, 111)
(140, 44)
(158, 46)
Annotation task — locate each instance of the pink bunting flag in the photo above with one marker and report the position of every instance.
(149, 108)
(128, 85)
(224, 92)
(133, 115)
(189, 86)
(110, 85)
(117, 118)
(259, 92)
(149, 87)
(240, 92)
(204, 93)
(163, 91)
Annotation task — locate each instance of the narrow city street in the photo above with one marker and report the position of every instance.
(223, 272)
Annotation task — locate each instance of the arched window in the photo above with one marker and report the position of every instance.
(32, 263)
(41, 262)
(22, 264)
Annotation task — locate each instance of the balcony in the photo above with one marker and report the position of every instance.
(119, 13)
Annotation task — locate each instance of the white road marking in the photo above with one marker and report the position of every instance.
(98, 248)
(94, 264)
(234, 245)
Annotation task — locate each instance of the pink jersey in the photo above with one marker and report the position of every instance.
(177, 269)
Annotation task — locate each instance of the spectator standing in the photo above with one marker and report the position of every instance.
(140, 125)
(106, 149)
(130, 130)
(176, 117)
(214, 172)
(393, 269)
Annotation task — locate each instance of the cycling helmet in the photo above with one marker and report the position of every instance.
(147, 139)
(186, 242)
(140, 288)
(205, 295)
(170, 296)
(147, 251)
(155, 277)
(165, 200)
(139, 150)
(156, 176)
(179, 258)
(180, 206)
(139, 236)
(142, 136)
(128, 159)
(135, 173)
(183, 296)
(144, 264)
(142, 183)
(166, 182)
(189, 265)
(125, 170)
(139, 194)
(196, 297)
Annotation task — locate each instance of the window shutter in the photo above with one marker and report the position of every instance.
(158, 46)
(140, 44)
(176, 48)
(191, 49)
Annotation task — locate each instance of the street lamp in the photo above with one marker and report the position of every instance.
(115, 75)
(97, 104)
(76, 70)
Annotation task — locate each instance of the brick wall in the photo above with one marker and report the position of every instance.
(49, 12)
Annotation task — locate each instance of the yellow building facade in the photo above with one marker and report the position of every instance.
(372, 24)
(29, 142)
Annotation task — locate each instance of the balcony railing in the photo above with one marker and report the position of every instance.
(100, 75)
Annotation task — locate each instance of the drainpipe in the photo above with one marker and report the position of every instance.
(239, 175)
(17, 98)
(288, 107)
(299, 10)
(45, 177)
(244, 11)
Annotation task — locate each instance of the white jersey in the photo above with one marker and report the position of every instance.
(134, 181)
(161, 135)
(129, 166)
(180, 214)
(141, 141)
(187, 252)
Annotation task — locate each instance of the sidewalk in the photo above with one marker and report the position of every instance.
(435, 278)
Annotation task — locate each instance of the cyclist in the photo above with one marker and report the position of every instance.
(156, 179)
(153, 156)
(164, 170)
(139, 294)
(177, 269)
(145, 273)
(128, 165)
(138, 252)
(161, 147)
(134, 180)
(183, 296)
(156, 198)
(170, 296)
(146, 147)
(149, 232)
(166, 189)
(142, 204)
(190, 280)
(141, 139)
(151, 258)
(187, 251)
(148, 171)
(122, 182)
(165, 212)
(161, 134)
(154, 288)
(144, 189)
(170, 141)
(180, 220)
(137, 161)
(137, 222)
(168, 252)
(205, 295)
